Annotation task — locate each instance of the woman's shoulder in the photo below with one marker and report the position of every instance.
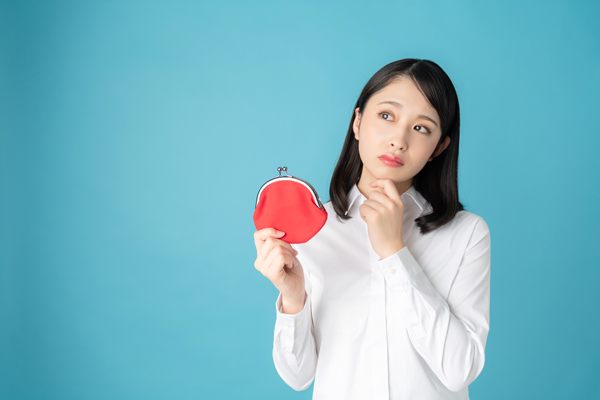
(464, 223)
(464, 216)
(471, 224)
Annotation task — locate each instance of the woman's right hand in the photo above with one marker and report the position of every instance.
(277, 260)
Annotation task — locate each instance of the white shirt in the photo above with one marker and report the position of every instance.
(410, 326)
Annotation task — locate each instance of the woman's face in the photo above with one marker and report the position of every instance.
(396, 121)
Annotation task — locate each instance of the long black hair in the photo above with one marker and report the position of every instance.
(438, 180)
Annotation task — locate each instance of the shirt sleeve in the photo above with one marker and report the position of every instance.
(294, 348)
(449, 335)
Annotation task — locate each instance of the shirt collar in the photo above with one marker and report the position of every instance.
(411, 193)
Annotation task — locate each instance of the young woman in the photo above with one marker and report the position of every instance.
(390, 300)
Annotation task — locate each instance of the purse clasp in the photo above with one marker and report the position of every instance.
(284, 169)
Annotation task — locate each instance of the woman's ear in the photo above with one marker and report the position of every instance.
(356, 123)
(441, 147)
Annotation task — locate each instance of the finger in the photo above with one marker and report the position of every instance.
(277, 260)
(271, 243)
(389, 189)
(378, 190)
(266, 249)
(282, 243)
(261, 235)
(380, 198)
(368, 207)
(365, 210)
(376, 205)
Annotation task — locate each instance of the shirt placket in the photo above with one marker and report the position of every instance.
(377, 327)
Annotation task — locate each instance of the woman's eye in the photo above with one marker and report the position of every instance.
(384, 113)
(421, 126)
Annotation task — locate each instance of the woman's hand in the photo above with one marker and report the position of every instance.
(277, 260)
(383, 212)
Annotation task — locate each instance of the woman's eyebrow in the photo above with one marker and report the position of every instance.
(395, 103)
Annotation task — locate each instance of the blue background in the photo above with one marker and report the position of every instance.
(134, 137)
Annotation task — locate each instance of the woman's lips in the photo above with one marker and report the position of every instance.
(391, 161)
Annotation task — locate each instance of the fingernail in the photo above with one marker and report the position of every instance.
(280, 233)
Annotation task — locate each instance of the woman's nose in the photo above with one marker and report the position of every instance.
(400, 139)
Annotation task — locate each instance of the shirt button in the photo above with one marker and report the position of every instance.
(286, 324)
(299, 322)
(392, 271)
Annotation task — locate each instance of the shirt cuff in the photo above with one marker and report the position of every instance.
(291, 320)
(292, 326)
(400, 266)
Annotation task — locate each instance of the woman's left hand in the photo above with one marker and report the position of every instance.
(383, 212)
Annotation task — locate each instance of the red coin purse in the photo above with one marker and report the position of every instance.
(291, 205)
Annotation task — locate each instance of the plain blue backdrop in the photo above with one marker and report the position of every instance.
(134, 137)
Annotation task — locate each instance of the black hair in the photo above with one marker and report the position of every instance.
(438, 180)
